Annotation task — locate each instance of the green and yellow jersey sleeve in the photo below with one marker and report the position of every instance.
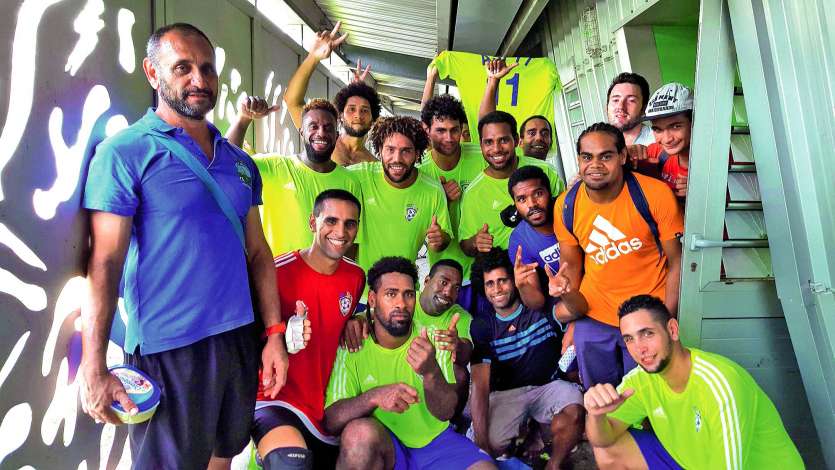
(394, 221)
(528, 89)
(469, 167)
(375, 366)
(290, 188)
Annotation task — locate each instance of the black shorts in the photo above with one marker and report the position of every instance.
(271, 417)
(206, 405)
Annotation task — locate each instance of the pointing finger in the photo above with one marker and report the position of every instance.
(518, 261)
(336, 28)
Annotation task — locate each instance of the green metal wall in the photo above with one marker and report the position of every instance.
(729, 299)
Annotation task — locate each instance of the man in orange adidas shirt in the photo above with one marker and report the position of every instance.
(611, 251)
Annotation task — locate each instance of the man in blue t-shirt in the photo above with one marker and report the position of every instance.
(515, 368)
(187, 265)
(532, 244)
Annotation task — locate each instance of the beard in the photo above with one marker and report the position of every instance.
(318, 157)
(403, 178)
(396, 329)
(180, 104)
(629, 125)
(663, 363)
(545, 221)
(355, 132)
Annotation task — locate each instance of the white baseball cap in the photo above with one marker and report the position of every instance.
(672, 98)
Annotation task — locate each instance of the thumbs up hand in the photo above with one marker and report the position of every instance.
(559, 283)
(435, 235)
(451, 188)
(421, 355)
(447, 340)
(483, 239)
(298, 330)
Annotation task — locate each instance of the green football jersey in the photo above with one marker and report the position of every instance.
(528, 89)
(722, 419)
(394, 220)
(441, 322)
(374, 366)
(468, 168)
(290, 188)
(484, 201)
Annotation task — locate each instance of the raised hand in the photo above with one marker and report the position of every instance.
(361, 76)
(354, 333)
(326, 42)
(451, 188)
(483, 239)
(395, 398)
(559, 283)
(447, 340)
(432, 73)
(498, 68)
(434, 235)
(524, 274)
(255, 107)
(602, 399)
(421, 354)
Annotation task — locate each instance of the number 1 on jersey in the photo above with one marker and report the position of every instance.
(514, 94)
(514, 82)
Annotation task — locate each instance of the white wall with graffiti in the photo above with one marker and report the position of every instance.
(70, 75)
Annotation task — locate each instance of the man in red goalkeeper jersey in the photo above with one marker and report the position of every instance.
(323, 287)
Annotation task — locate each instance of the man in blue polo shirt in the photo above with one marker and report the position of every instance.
(186, 268)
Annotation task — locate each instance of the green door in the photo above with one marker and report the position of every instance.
(729, 301)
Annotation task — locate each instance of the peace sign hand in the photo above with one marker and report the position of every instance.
(327, 41)
(559, 283)
(360, 76)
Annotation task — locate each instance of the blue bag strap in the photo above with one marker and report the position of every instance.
(180, 151)
(640, 202)
(568, 208)
(663, 157)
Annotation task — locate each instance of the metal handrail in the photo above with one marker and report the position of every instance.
(699, 243)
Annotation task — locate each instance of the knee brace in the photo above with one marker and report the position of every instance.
(288, 458)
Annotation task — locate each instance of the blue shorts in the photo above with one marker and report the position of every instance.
(601, 353)
(654, 453)
(208, 390)
(448, 450)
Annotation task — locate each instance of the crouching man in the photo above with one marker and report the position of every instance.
(705, 410)
(392, 400)
(515, 368)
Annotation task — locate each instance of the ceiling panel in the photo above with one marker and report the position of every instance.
(404, 27)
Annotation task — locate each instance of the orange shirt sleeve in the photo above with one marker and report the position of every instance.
(562, 234)
(665, 209)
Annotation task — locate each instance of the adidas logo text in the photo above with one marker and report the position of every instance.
(607, 243)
